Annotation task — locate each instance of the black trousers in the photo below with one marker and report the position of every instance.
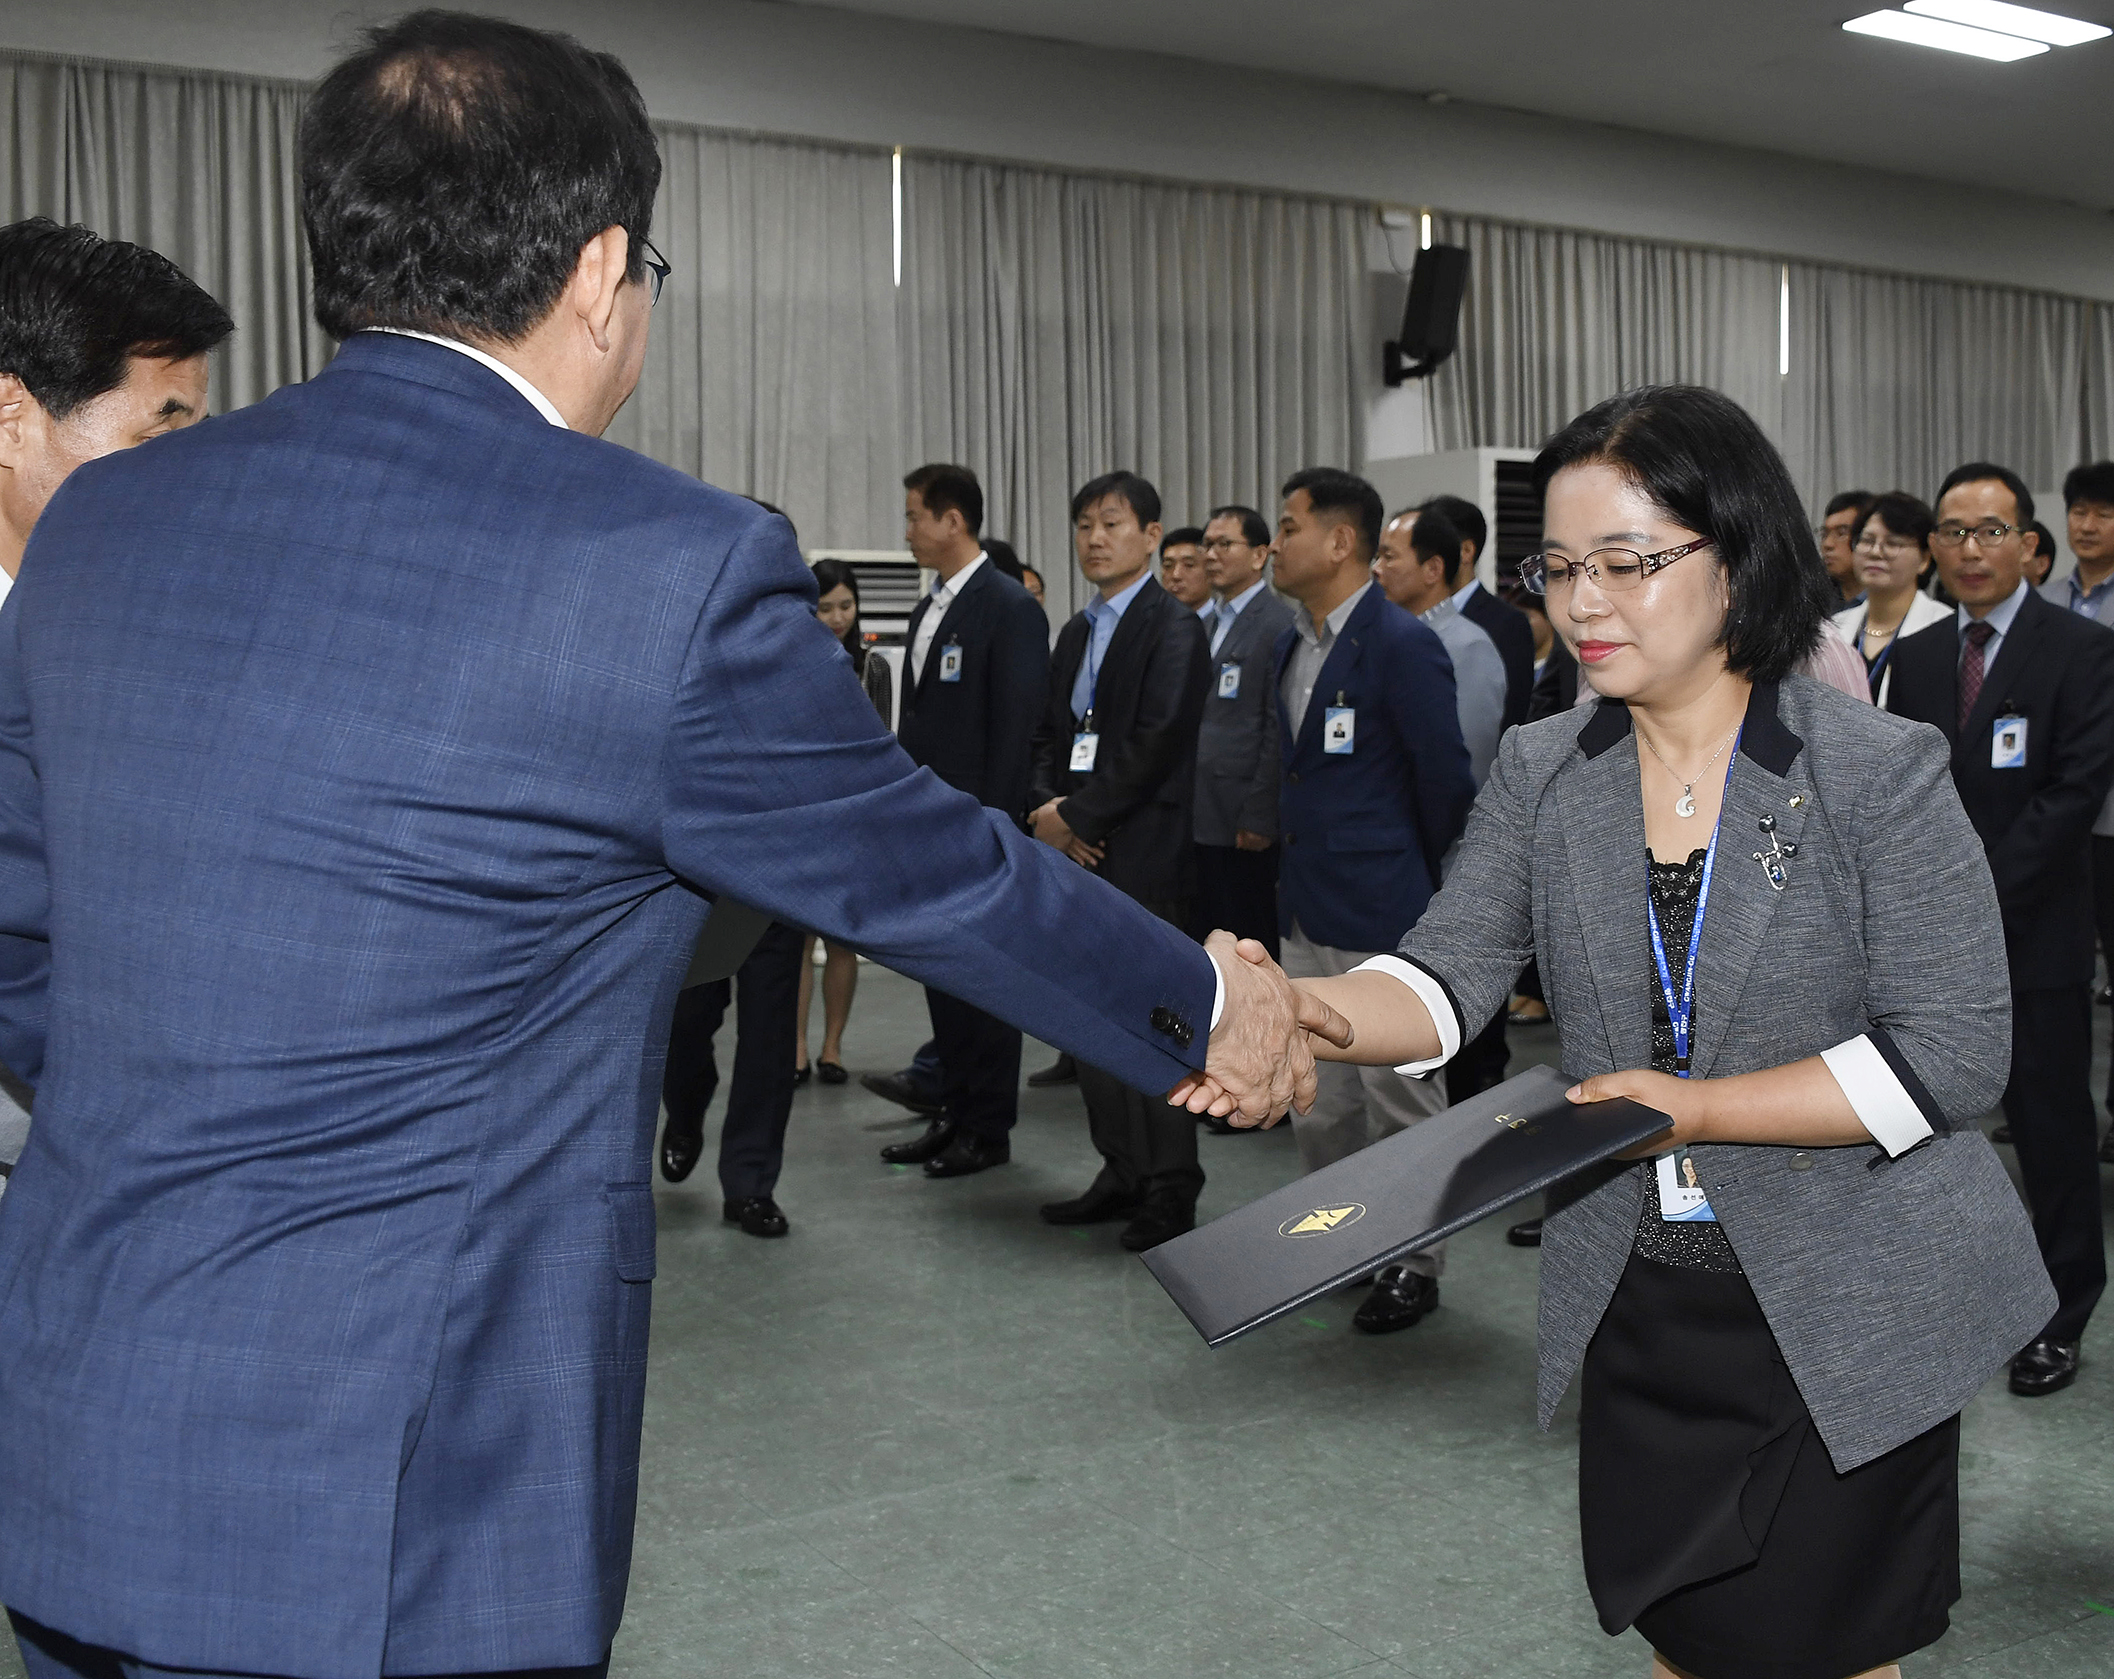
(766, 990)
(1236, 890)
(1147, 1148)
(979, 1069)
(49, 1654)
(2103, 914)
(2049, 1105)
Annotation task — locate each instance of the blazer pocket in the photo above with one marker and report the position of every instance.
(631, 1229)
(1369, 839)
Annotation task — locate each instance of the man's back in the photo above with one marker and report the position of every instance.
(370, 729)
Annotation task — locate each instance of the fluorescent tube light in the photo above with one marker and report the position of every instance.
(1950, 37)
(2025, 21)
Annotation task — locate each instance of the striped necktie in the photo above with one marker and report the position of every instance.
(1971, 671)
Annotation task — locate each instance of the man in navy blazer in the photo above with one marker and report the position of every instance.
(1377, 789)
(364, 756)
(974, 677)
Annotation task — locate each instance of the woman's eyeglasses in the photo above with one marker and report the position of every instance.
(1614, 569)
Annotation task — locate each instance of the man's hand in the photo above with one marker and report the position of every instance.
(1051, 829)
(1259, 1064)
(1243, 840)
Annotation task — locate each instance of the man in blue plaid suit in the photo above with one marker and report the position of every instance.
(364, 757)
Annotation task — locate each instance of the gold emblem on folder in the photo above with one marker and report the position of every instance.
(1322, 1220)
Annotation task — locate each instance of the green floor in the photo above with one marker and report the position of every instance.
(930, 1436)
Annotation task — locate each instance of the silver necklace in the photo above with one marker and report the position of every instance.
(1685, 805)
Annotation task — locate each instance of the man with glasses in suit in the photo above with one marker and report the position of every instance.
(2025, 692)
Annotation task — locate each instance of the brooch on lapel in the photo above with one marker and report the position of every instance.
(1778, 854)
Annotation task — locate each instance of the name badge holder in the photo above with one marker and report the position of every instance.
(1229, 681)
(1682, 1197)
(951, 662)
(2007, 743)
(1086, 745)
(1339, 729)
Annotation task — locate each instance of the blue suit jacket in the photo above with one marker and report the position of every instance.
(355, 750)
(1364, 832)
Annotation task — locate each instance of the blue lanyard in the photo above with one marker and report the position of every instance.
(1680, 1014)
(1877, 668)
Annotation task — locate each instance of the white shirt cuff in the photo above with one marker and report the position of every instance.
(1218, 993)
(1433, 996)
(1886, 1109)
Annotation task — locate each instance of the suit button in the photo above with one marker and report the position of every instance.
(1801, 1161)
(1162, 1020)
(1293, 777)
(1291, 839)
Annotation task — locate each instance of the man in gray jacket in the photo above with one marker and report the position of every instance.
(1237, 755)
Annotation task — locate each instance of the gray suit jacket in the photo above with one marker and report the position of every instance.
(1237, 758)
(2056, 592)
(1479, 684)
(1894, 1287)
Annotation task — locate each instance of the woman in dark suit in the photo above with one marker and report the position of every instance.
(837, 605)
(1757, 906)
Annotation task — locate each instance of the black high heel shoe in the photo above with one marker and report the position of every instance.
(801, 1075)
(831, 1072)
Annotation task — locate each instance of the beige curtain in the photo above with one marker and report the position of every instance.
(1057, 326)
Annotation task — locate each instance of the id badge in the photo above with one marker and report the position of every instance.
(1682, 1197)
(2007, 744)
(951, 662)
(1086, 747)
(1339, 730)
(1229, 681)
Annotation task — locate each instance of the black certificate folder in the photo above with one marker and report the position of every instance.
(1402, 1194)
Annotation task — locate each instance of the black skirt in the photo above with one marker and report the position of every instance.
(1712, 1518)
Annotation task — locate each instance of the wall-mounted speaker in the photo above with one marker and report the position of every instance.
(1431, 320)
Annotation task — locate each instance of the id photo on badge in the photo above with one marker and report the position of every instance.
(2007, 744)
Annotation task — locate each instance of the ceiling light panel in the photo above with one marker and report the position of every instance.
(1949, 37)
(2012, 20)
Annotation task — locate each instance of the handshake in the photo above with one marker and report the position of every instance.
(1261, 1059)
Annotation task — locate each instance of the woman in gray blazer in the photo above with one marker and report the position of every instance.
(1758, 906)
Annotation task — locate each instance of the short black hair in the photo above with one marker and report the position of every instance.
(1701, 458)
(1255, 529)
(1191, 534)
(1464, 516)
(1849, 501)
(1000, 552)
(2094, 481)
(945, 488)
(1900, 512)
(2043, 540)
(1136, 493)
(1350, 498)
(453, 167)
(1436, 537)
(75, 308)
(1984, 472)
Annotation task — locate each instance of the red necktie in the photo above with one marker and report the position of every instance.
(1978, 634)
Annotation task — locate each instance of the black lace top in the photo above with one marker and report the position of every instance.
(1675, 887)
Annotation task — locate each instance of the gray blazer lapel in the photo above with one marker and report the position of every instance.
(1742, 899)
(1600, 814)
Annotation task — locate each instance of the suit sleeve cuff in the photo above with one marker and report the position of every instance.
(1882, 1101)
(1431, 992)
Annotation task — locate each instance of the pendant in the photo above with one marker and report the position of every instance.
(1685, 805)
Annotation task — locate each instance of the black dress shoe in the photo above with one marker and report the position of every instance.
(1063, 1070)
(2001, 1134)
(921, 1149)
(2044, 1367)
(1525, 1234)
(1400, 1298)
(1099, 1205)
(801, 1075)
(966, 1153)
(1161, 1219)
(681, 1147)
(758, 1215)
(831, 1072)
(902, 1090)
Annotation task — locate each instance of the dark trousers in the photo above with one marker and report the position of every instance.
(1481, 1062)
(2103, 914)
(1147, 1148)
(49, 1654)
(1236, 890)
(766, 990)
(2049, 1106)
(979, 1065)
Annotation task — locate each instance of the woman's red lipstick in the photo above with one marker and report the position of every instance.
(1592, 652)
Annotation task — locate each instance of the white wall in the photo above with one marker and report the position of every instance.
(802, 70)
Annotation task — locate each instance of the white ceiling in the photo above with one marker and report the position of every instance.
(1780, 75)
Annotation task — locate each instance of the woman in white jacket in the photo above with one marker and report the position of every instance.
(1890, 548)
